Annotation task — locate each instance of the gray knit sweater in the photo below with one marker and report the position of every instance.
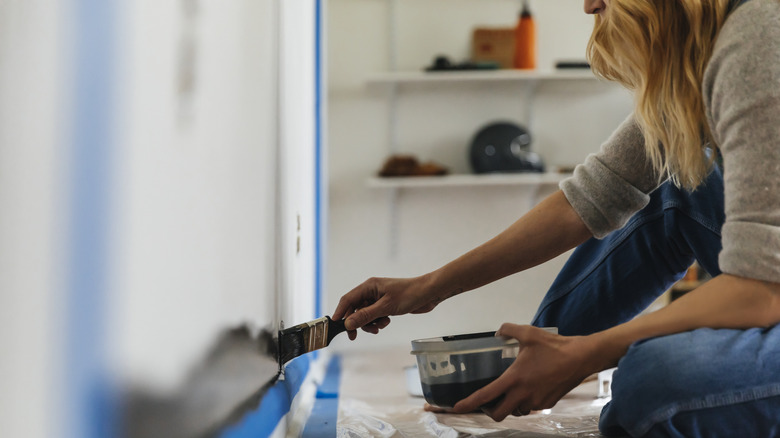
(742, 99)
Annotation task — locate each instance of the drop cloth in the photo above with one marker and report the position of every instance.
(374, 402)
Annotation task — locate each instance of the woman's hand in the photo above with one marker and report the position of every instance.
(547, 367)
(369, 305)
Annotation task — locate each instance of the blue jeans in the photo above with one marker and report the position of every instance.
(703, 383)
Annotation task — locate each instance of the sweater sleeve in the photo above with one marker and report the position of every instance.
(613, 184)
(742, 93)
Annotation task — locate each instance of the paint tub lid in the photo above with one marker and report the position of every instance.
(466, 343)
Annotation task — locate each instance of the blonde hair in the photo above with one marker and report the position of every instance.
(659, 49)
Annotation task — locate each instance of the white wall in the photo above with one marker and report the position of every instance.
(33, 74)
(213, 178)
(297, 147)
(436, 122)
(196, 222)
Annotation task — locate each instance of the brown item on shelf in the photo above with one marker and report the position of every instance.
(494, 45)
(399, 165)
(430, 169)
(407, 165)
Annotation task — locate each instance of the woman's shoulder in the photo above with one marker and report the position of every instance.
(746, 58)
(751, 22)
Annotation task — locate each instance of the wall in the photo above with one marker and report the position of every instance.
(298, 161)
(217, 174)
(436, 122)
(146, 207)
(196, 177)
(33, 77)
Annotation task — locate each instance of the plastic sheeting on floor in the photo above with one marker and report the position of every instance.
(374, 402)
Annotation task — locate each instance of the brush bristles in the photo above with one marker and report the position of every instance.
(290, 347)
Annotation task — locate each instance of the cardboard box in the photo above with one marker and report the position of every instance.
(494, 45)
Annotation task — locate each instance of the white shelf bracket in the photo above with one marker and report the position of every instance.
(394, 234)
(531, 88)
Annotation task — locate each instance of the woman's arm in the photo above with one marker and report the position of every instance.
(726, 301)
(549, 229)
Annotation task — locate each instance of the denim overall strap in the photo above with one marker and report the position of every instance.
(607, 282)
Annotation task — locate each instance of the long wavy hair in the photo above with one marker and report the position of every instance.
(659, 49)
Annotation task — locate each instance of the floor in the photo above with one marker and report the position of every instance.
(374, 402)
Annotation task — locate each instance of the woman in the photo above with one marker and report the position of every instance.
(706, 78)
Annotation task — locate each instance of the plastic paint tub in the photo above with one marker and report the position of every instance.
(453, 367)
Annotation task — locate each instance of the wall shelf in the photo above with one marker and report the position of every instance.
(511, 179)
(419, 77)
(395, 82)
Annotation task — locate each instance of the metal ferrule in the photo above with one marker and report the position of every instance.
(316, 336)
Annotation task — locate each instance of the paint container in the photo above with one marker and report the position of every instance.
(453, 367)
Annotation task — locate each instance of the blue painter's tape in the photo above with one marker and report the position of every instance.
(295, 373)
(324, 414)
(262, 423)
(330, 384)
(91, 404)
(274, 405)
(323, 420)
(319, 187)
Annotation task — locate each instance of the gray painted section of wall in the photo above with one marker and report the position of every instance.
(230, 381)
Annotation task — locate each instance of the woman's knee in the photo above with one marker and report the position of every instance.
(654, 367)
(663, 382)
(653, 375)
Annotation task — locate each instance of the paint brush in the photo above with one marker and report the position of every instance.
(307, 337)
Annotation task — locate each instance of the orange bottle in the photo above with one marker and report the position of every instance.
(525, 40)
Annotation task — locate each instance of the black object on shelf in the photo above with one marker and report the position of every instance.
(572, 65)
(504, 147)
(443, 63)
